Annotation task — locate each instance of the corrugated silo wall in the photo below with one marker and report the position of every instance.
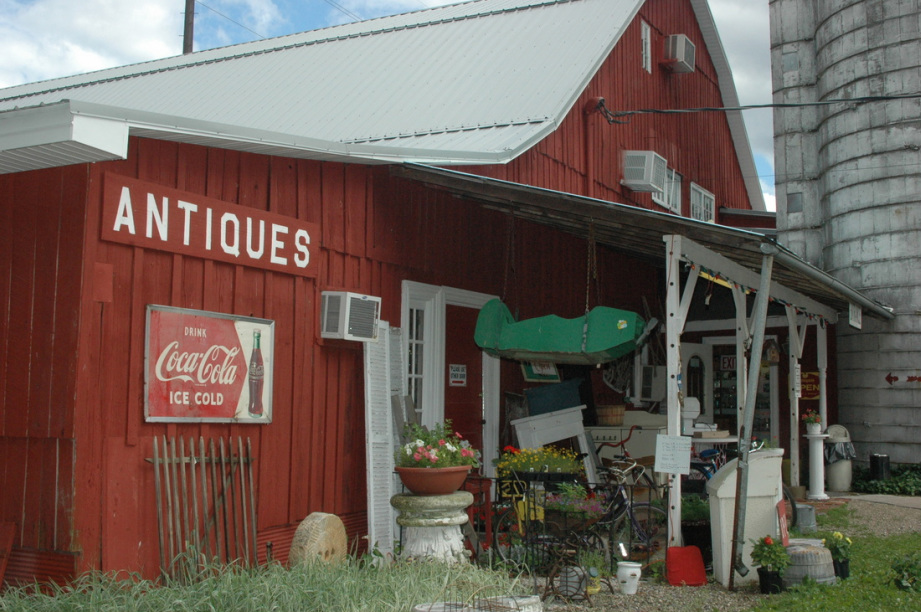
(848, 191)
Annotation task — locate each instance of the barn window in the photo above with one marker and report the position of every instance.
(646, 38)
(670, 197)
(415, 353)
(703, 204)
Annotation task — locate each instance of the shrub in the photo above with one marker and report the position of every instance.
(908, 573)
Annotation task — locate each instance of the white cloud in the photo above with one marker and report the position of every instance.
(50, 38)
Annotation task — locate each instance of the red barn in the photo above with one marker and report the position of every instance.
(433, 160)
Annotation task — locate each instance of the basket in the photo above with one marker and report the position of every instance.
(610, 415)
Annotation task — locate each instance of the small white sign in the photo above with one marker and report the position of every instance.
(457, 375)
(855, 315)
(673, 454)
(798, 381)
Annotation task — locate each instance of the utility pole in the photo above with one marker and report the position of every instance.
(188, 34)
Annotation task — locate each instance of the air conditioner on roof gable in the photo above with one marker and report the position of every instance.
(349, 316)
(644, 171)
(680, 53)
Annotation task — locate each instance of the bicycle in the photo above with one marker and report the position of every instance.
(709, 463)
(640, 479)
(638, 531)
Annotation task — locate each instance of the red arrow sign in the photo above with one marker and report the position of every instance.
(891, 379)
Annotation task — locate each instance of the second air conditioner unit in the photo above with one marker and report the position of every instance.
(349, 316)
(644, 171)
(680, 53)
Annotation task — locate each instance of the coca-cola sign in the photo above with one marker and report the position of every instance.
(206, 366)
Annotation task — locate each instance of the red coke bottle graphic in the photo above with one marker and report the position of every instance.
(256, 377)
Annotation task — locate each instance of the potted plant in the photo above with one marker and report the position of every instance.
(435, 461)
(772, 559)
(515, 462)
(571, 508)
(595, 566)
(813, 421)
(840, 547)
(695, 525)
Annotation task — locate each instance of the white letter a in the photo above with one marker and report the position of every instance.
(125, 215)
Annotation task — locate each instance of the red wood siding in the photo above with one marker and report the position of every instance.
(584, 155)
(73, 440)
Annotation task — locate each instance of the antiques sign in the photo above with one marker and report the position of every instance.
(153, 216)
(206, 366)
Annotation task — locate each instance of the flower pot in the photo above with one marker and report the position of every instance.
(842, 568)
(813, 429)
(770, 581)
(628, 576)
(433, 481)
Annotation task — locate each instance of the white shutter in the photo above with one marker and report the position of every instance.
(379, 442)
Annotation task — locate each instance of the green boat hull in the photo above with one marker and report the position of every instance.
(602, 335)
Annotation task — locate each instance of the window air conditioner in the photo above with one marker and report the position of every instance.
(651, 385)
(644, 171)
(349, 316)
(679, 53)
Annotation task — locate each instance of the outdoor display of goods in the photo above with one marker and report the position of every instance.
(600, 336)
(610, 416)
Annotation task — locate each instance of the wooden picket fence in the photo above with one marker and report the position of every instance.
(206, 504)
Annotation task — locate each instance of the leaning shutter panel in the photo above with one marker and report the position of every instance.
(379, 447)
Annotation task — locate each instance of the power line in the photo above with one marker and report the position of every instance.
(217, 12)
(614, 117)
(344, 10)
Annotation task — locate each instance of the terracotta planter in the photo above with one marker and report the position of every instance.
(770, 582)
(433, 481)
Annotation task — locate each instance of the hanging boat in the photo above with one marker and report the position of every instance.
(600, 336)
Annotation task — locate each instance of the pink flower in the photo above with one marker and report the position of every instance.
(441, 443)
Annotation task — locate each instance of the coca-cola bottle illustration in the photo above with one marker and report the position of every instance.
(256, 377)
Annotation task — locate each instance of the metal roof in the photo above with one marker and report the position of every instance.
(639, 232)
(470, 83)
(476, 82)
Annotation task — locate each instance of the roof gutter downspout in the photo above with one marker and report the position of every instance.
(789, 260)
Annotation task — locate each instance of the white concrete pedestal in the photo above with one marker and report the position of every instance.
(816, 466)
(431, 525)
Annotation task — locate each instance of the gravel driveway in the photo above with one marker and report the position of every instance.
(867, 517)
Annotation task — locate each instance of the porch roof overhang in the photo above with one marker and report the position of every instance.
(639, 232)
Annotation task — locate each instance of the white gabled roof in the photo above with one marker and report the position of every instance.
(477, 82)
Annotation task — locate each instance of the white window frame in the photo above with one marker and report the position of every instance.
(646, 38)
(703, 204)
(433, 301)
(670, 197)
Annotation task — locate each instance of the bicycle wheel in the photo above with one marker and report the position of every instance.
(641, 534)
(506, 536)
(514, 544)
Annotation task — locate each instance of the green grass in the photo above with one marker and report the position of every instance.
(345, 587)
(870, 587)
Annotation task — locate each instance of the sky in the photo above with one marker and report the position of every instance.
(44, 39)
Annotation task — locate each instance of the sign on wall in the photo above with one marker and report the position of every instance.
(152, 216)
(207, 366)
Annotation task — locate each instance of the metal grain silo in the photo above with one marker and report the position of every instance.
(849, 192)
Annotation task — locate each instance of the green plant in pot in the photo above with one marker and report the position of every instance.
(695, 525)
(571, 507)
(771, 558)
(840, 547)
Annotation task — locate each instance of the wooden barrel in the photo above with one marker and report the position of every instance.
(610, 415)
(809, 561)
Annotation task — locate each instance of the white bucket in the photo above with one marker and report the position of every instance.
(628, 576)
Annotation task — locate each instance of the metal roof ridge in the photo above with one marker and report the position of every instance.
(524, 5)
(451, 129)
